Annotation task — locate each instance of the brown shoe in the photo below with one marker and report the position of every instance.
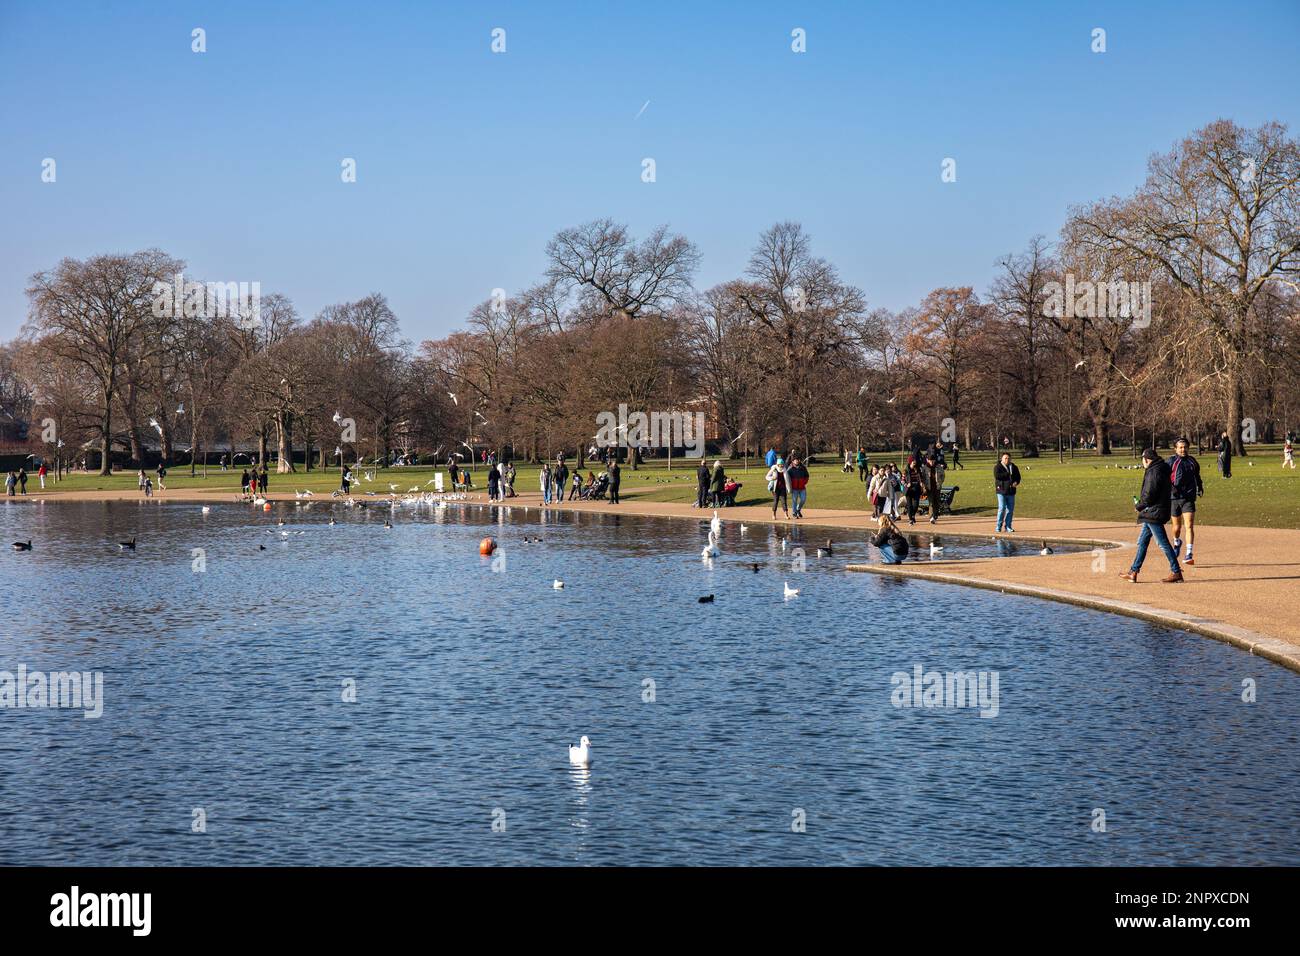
(1191, 561)
(1175, 578)
(1130, 576)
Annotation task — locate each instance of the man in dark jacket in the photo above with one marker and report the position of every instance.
(1185, 477)
(1225, 455)
(1153, 507)
(616, 475)
(890, 541)
(1006, 479)
(702, 485)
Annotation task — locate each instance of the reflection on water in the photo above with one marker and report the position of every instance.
(226, 690)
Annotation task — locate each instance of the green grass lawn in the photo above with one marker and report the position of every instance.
(1260, 493)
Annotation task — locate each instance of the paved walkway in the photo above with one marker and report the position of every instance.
(1243, 588)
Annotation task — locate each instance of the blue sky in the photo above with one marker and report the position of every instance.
(468, 161)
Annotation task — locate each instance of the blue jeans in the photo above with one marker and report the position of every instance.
(546, 494)
(797, 499)
(1006, 508)
(888, 556)
(1151, 529)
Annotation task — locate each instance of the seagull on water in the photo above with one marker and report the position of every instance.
(580, 756)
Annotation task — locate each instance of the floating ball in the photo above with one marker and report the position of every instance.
(267, 506)
(487, 546)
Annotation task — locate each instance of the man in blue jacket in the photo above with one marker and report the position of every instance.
(1153, 506)
(1185, 477)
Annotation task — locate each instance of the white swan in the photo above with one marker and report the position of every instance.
(206, 509)
(716, 524)
(580, 756)
(935, 550)
(557, 584)
(711, 549)
(790, 592)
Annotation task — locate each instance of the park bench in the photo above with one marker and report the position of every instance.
(946, 495)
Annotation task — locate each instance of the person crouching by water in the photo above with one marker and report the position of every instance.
(1153, 508)
(889, 541)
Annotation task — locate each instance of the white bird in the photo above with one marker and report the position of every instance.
(206, 509)
(557, 584)
(453, 398)
(743, 529)
(790, 592)
(935, 549)
(156, 426)
(392, 487)
(1046, 549)
(580, 756)
(1080, 363)
(338, 417)
(716, 523)
(711, 549)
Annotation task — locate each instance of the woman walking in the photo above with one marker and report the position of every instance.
(776, 481)
(544, 479)
(912, 487)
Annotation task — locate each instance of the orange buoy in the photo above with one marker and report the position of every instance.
(267, 506)
(487, 546)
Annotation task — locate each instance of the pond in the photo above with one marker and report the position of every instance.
(353, 694)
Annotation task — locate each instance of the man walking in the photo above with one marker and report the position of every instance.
(1153, 506)
(1185, 479)
(561, 476)
(1225, 456)
(797, 475)
(615, 475)
(1006, 479)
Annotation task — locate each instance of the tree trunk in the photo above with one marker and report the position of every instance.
(284, 431)
(106, 433)
(1234, 407)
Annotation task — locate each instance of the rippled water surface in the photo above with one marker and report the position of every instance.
(223, 691)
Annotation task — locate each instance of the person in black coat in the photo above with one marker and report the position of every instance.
(1153, 508)
(615, 475)
(1225, 455)
(702, 477)
(1006, 480)
(890, 541)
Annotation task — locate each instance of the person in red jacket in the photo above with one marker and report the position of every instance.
(40, 473)
(797, 475)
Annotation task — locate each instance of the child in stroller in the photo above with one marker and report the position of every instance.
(595, 490)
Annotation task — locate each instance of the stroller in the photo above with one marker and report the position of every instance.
(598, 490)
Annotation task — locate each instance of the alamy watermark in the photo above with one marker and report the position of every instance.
(1117, 299)
(954, 689)
(37, 690)
(654, 430)
(191, 300)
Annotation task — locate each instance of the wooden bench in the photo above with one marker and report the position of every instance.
(946, 495)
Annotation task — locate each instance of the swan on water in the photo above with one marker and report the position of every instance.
(557, 584)
(790, 592)
(580, 756)
(711, 549)
(716, 524)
